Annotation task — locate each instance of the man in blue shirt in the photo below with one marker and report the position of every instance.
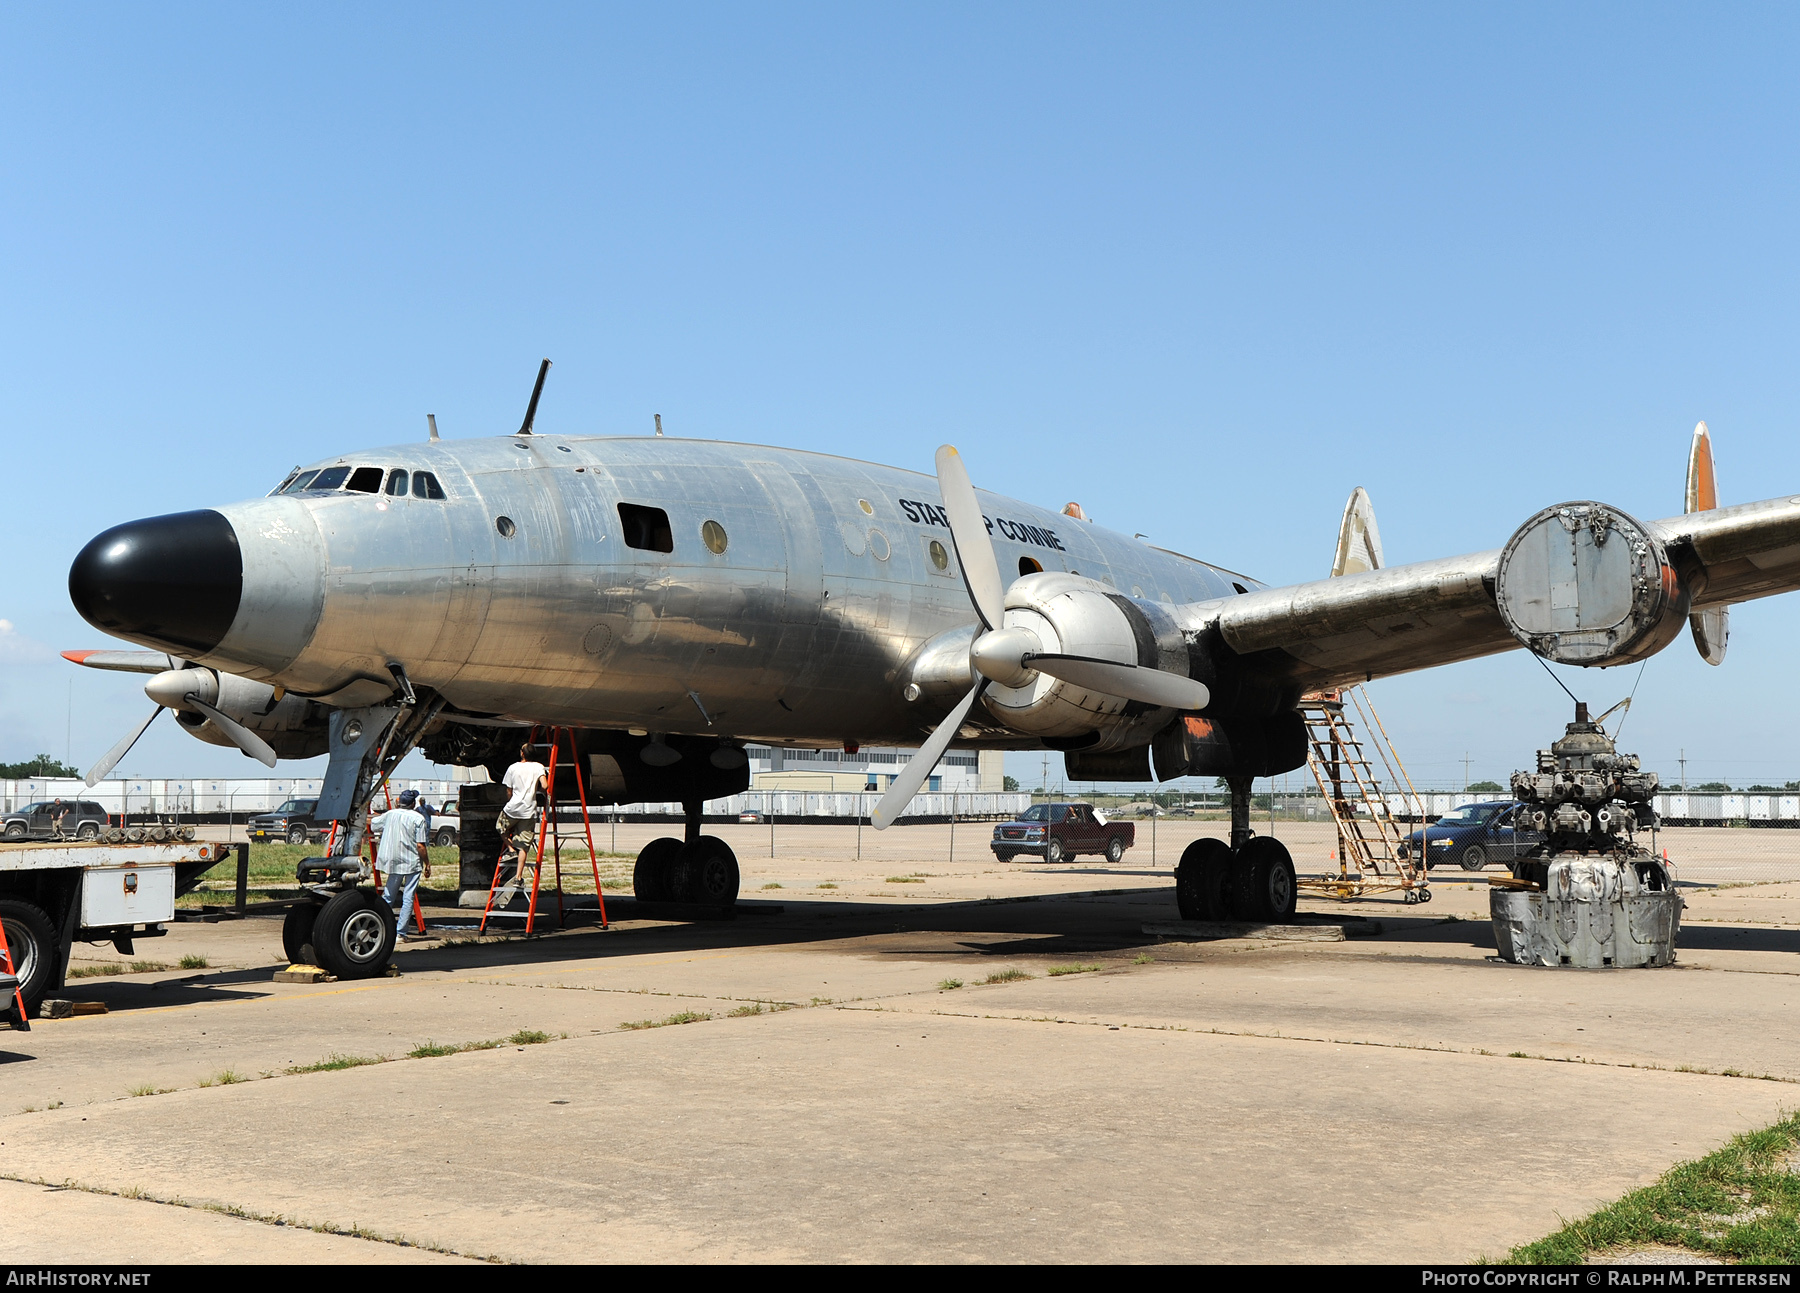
(401, 854)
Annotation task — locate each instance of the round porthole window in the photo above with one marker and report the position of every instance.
(867, 507)
(713, 535)
(505, 525)
(939, 557)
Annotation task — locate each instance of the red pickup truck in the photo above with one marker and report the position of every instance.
(1058, 831)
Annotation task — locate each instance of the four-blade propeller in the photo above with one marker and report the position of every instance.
(1011, 656)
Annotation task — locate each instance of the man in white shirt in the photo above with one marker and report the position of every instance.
(518, 820)
(401, 854)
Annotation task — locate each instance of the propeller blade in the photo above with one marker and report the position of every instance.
(242, 737)
(913, 775)
(119, 751)
(1151, 686)
(968, 532)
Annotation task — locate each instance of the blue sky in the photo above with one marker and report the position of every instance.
(1203, 269)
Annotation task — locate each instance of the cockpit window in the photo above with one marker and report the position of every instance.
(285, 483)
(297, 483)
(330, 478)
(366, 480)
(397, 482)
(425, 485)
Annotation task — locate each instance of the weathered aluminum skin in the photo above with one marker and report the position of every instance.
(1596, 912)
(800, 631)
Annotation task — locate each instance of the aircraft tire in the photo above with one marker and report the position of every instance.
(1264, 886)
(706, 872)
(354, 935)
(32, 941)
(651, 878)
(1203, 880)
(297, 932)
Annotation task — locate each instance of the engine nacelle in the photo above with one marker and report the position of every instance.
(294, 727)
(1583, 583)
(1070, 615)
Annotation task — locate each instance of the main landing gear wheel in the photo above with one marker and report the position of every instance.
(1202, 880)
(705, 871)
(32, 943)
(1263, 876)
(354, 934)
(652, 879)
(297, 934)
(1474, 858)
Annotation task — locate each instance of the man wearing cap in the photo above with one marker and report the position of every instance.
(401, 854)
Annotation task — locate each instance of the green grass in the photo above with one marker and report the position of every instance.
(335, 1062)
(1071, 969)
(1740, 1203)
(225, 1077)
(827, 885)
(148, 967)
(685, 1017)
(947, 985)
(1006, 976)
(742, 1011)
(192, 962)
(431, 1050)
(904, 879)
(1143, 958)
(105, 969)
(150, 1090)
(772, 885)
(528, 1037)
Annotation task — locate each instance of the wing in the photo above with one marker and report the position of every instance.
(1357, 627)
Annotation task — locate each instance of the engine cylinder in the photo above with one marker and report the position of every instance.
(1584, 583)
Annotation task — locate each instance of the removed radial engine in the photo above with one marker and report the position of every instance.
(1591, 896)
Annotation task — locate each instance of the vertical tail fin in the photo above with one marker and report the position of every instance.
(1359, 541)
(1710, 627)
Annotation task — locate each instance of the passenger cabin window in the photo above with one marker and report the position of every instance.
(299, 482)
(330, 478)
(397, 482)
(646, 528)
(366, 480)
(425, 485)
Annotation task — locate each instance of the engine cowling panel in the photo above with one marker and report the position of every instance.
(1070, 615)
(1584, 583)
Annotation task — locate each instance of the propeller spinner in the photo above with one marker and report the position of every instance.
(1012, 656)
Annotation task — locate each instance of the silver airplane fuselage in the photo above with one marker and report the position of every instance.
(795, 590)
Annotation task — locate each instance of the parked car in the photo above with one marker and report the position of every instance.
(84, 821)
(1475, 835)
(292, 822)
(446, 824)
(1059, 831)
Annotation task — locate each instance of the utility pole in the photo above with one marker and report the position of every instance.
(1465, 771)
(1683, 762)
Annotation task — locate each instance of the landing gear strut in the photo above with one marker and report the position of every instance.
(698, 868)
(1250, 879)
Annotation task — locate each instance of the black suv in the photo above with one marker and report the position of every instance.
(293, 822)
(85, 821)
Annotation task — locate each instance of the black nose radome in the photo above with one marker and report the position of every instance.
(167, 581)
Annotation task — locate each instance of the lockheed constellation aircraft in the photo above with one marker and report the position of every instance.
(672, 599)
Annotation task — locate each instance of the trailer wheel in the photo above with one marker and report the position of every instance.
(32, 941)
(297, 934)
(354, 934)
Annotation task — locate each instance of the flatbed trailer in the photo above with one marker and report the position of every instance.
(54, 893)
